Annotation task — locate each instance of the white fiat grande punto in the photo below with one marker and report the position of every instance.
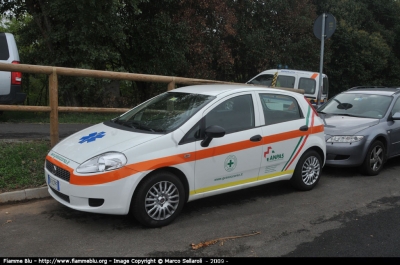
(186, 144)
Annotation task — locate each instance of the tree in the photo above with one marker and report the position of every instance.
(228, 40)
(70, 34)
(364, 46)
(209, 43)
(274, 32)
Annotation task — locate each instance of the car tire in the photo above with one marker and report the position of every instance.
(374, 159)
(307, 172)
(158, 200)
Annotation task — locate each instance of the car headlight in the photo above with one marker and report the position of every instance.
(345, 139)
(104, 162)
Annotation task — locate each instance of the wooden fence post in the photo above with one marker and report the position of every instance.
(53, 95)
(171, 85)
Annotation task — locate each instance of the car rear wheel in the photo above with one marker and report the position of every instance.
(307, 172)
(158, 200)
(374, 159)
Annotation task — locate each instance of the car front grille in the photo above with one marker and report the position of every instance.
(57, 171)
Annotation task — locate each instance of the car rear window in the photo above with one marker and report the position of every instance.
(4, 53)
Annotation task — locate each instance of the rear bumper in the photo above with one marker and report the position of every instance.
(16, 96)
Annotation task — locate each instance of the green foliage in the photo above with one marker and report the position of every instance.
(275, 32)
(212, 39)
(365, 50)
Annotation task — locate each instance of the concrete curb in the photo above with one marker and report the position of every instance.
(23, 195)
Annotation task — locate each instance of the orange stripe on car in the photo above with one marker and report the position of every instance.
(314, 75)
(131, 169)
(99, 178)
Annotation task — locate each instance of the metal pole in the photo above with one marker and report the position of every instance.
(321, 62)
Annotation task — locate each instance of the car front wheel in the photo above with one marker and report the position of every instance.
(158, 200)
(307, 172)
(374, 159)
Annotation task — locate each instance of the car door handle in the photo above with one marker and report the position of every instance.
(304, 128)
(256, 138)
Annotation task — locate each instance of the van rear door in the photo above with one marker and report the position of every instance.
(10, 82)
(5, 77)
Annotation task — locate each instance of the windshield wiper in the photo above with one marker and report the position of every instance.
(345, 114)
(142, 126)
(124, 123)
(135, 125)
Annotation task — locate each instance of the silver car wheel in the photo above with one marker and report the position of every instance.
(376, 158)
(310, 170)
(162, 200)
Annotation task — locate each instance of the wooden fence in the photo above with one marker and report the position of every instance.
(54, 72)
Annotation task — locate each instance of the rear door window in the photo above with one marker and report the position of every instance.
(308, 84)
(285, 81)
(279, 108)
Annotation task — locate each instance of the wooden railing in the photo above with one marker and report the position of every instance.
(54, 72)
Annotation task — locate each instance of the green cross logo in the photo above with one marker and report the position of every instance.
(230, 163)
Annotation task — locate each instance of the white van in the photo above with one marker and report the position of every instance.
(10, 82)
(308, 81)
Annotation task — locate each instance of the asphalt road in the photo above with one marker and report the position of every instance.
(34, 131)
(346, 215)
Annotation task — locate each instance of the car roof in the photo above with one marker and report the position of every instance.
(291, 71)
(387, 91)
(217, 89)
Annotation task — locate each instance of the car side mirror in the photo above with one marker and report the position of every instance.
(211, 132)
(396, 116)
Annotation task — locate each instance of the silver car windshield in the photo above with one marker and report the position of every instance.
(164, 113)
(358, 105)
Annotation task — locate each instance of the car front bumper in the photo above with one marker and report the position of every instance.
(109, 198)
(346, 154)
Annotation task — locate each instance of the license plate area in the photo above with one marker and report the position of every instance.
(54, 183)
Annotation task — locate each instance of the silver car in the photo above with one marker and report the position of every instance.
(362, 128)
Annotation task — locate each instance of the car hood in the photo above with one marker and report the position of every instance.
(99, 139)
(345, 125)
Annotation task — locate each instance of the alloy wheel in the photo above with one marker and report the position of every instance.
(162, 200)
(376, 158)
(310, 170)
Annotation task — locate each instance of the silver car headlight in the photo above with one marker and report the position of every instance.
(104, 162)
(345, 139)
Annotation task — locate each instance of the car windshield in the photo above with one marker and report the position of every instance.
(357, 105)
(164, 113)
